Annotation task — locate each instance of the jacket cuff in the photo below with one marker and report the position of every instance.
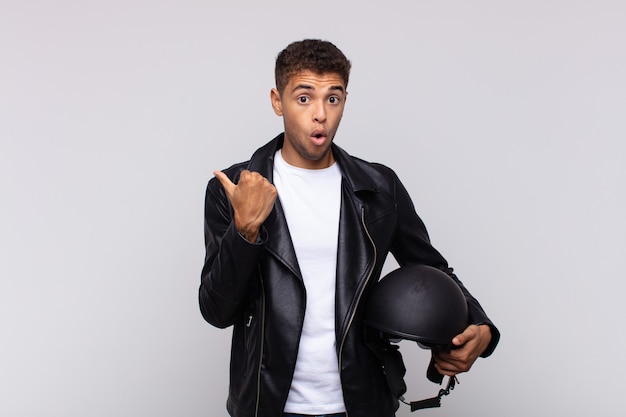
(495, 338)
(261, 239)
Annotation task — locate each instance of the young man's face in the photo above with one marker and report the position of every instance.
(311, 106)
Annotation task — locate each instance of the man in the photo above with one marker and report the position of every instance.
(295, 239)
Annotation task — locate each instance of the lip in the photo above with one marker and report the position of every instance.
(318, 136)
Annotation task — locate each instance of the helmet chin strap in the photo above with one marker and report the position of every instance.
(433, 402)
(394, 369)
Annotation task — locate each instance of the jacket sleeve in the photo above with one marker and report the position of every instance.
(412, 245)
(230, 263)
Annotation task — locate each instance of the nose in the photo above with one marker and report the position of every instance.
(319, 113)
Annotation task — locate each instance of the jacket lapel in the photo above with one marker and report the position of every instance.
(355, 258)
(355, 254)
(281, 248)
(276, 224)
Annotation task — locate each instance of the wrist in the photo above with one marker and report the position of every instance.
(248, 233)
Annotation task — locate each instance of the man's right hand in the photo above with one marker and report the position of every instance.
(252, 199)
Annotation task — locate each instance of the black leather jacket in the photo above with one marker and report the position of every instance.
(258, 287)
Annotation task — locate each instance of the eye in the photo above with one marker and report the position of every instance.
(303, 99)
(333, 99)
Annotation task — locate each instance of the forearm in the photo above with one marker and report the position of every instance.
(413, 245)
(230, 264)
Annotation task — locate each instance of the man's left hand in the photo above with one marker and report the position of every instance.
(468, 347)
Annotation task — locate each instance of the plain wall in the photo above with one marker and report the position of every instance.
(504, 119)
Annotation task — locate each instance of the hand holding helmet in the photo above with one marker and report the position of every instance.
(468, 347)
(423, 304)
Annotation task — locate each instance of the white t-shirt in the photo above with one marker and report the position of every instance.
(311, 200)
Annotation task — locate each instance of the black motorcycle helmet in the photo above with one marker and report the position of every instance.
(419, 303)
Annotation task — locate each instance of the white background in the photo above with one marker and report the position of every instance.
(504, 119)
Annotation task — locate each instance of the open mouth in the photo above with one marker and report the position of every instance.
(318, 135)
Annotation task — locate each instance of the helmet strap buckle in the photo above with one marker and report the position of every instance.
(433, 402)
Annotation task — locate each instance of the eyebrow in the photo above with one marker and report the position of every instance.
(310, 87)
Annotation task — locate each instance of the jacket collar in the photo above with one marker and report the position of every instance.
(262, 161)
(355, 180)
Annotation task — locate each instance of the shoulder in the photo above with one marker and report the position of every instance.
(366, 175)
(234, 170)
(214, 187)
(259, 161)
(375, 168)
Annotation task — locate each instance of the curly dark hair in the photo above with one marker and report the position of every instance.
(318, 56)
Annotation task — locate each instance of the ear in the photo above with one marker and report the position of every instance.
(277, 103)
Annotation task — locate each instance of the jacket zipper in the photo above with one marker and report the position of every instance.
(369, 275)
(258, 381)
